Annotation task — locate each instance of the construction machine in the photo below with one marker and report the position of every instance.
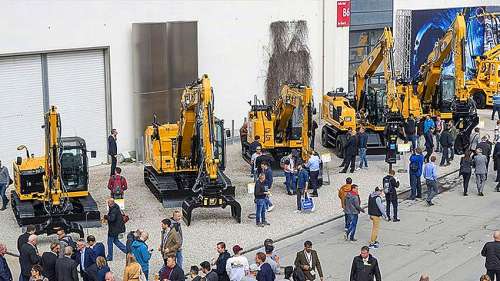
(486, 81)
(380, 111)
(284, 126)
(184, 161)
(448, 96)
(51, 191)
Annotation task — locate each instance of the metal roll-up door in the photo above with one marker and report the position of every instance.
(76, 82)
(21, 107)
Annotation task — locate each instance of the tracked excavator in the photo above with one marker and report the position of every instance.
(448, 96)
(185, 161)
(284, 126)
(380, 111)
(51, 191)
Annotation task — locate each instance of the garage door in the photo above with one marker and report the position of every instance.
(77, 87)
(21, 106)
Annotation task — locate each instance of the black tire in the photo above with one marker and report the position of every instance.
(480, 100)
(339, 147)
(324, 139)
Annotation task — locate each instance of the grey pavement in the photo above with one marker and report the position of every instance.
(443, 240)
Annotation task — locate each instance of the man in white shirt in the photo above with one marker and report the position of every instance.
(237, 266)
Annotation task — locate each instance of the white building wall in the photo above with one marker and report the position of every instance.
(233, 37)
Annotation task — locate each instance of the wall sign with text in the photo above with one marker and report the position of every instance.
(343, 13)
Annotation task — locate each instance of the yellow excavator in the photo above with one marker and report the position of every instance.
(184, 161)
(448, 96)
(486, 81)
(380, 111)
(51, 191)
(282, 127)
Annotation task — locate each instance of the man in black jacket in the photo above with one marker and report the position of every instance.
(365, 267)
(66, 267)
(28, 257)
(116, 226)
(176, 273)
(486, 148)
(446, 141)
(5, 273)
(350, 153)
(220, 263)
(491, 251)
(23, 238)
(112, 150)
(391, 195)
(49, 261)
(410, 129)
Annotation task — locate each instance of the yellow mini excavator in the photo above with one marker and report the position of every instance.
(380, 111)
(284, 126)
(448, 96)
(51, 191)
(185, 161)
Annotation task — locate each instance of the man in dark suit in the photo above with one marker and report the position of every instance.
(112, 150)
(23, 238)
(66, 267)
(49, 261)
(28, 257)
(5, 273)
(85, 258)
(350, 150)
(98, 247)
(308, 261)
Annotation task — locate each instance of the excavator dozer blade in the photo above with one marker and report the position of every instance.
(79, 213)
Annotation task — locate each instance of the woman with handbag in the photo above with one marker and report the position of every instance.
(5, 181)
(466, 169)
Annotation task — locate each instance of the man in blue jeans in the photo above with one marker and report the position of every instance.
(352, 210)
(260, 201)
(4, 183)
(314, 164)
(362, 144)
(116, 226)
(268, 172)
(430, 175)
(302, 181)
(415, 170)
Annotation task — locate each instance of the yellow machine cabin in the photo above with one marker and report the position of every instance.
(51, 191)
(486, 82)
(282, 127)
(184, 162)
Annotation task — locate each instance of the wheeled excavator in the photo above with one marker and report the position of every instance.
(51, 191)
(284, 126)
(486, 81)
(448, 96)
(380, 111)
(184, 161)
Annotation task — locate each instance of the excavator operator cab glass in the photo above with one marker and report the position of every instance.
(74, 173)
(446, 93)
(220, 143)
(297, 123)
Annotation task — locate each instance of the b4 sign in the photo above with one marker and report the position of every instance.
(343, 13)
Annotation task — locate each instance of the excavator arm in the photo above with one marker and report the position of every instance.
(284, 106)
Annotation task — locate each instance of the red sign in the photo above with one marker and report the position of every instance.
(343, 13)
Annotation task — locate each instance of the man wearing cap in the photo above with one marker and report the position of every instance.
(237, 266)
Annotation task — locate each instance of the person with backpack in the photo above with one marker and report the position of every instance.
(415, 170)
(117, 184)
(390, 183)
(466, 169)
